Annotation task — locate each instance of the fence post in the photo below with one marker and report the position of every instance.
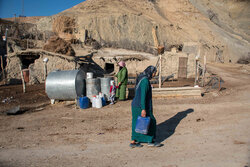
(24, 86)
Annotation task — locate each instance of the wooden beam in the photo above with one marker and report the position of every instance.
(160, 72)
(170, 92)
(156, 43)
(196, 72)
(176, 92)
(176, 88)
(2, 66)
(45, 70)
(24, 86)
(204, 70)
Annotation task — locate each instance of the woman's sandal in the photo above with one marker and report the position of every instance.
(134, 145)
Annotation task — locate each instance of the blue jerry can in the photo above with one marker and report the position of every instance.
(142, 125)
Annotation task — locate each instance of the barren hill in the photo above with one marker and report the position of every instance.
(220, 27)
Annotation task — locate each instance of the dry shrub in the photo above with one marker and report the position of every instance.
(59, 45)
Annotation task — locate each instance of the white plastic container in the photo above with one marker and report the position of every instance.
(93, 101)
(89, 75)
(98, 102)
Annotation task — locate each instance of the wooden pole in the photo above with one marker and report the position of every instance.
(195, 80)
(27, 43)
(24, 86)
(156, 43)
(197, 66)
(45, 70)
(204, 70)
(2, 67)
(160, 73)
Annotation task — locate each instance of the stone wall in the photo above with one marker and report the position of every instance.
(36, 69)
(54, 63)
(13, 69)
(134, 65)
(170, 64)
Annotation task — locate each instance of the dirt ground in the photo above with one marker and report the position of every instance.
(12, 95)
(197, 131)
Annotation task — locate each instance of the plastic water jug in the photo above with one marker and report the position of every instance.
(93, 101)
(103, 101)
(83, 102)
(98, 102)
(142, 125)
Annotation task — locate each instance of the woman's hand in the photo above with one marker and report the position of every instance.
(143, 113)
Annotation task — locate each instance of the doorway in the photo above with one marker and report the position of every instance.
(182, 70)
(28, 59)
(109, 68)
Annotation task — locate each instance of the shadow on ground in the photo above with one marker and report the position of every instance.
(167, 128)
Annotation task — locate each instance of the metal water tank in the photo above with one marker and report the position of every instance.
(65, 85)
(92, 87)
(105, 86)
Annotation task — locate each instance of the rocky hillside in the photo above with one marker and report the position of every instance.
(220, 27)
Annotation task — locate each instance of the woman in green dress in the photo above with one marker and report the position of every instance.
(122, 80)
(142, 106)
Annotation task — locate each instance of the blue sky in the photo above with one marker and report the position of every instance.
(35, 7)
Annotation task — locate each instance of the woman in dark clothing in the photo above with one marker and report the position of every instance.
(142, 106)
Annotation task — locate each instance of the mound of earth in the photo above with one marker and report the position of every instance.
(220, 27)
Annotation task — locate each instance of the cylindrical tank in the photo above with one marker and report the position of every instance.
(65, 85)
(92, 87)
(105, 86)
(98, 102)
